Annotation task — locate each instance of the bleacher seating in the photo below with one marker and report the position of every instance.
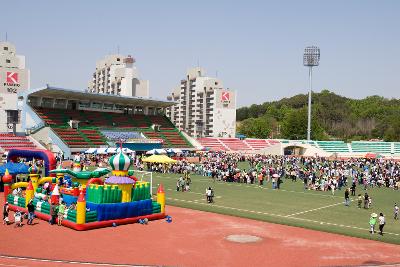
(174, 139)
(213, 144)
(171, 139)
(95, 137)
(71, 137)
(162, 121)
(257, 144)
(92, 123)
(236, 144)
(9, 141)
(396, 146)
(333, 146)
(254, 145)
(375, 147)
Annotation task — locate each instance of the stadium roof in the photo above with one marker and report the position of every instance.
(62, 93)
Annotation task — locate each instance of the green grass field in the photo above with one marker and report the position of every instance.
(291, 205)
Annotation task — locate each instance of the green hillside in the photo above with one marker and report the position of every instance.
(334, 117)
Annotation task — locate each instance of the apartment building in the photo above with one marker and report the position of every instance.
(205, 108)
(14, 78)
(117, 75)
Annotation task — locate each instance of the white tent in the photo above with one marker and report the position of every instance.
(101, 150)
(156, 152)
(91, 150)
(125, 150)
(111, 150)
(174, 150)
(177, 150)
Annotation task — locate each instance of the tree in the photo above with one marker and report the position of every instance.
(294, 126)
(338, 117)
(256, 127)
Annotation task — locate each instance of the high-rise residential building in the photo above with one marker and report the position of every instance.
(14, 78)
(117, 75)
(204, 108)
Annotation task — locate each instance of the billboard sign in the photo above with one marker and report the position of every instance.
(13, 81)
(225, 97)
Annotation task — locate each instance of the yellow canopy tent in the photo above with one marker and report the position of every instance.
(159, 159)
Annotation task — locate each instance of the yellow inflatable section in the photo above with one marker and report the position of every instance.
(20, 184)
(25, 184)
(45, 179)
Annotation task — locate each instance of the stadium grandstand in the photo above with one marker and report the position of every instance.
(302, 147)
(70, 121)
(73, 121)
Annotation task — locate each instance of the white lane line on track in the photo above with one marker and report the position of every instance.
(67, 262)
(11, 265)
(279, 215)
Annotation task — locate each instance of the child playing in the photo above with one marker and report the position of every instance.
(18, 219)
(61, 211)
(6, 209)
(372, 222)
(396, 211)
(187, 185)
(359, 201)
(369, 202)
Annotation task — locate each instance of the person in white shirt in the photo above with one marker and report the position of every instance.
(396, 211)
(381, 220)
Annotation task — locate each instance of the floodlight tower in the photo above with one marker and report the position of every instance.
(310, 59)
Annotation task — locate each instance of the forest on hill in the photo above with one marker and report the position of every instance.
(334, 117)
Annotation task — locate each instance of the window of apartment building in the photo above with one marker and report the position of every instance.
(13, 116)
(6, 48)
(118, 59)
(8, 61)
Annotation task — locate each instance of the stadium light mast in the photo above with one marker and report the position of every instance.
(310, 59)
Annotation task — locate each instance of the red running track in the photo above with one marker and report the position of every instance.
(194, 238)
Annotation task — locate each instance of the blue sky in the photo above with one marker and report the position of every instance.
(256, 46)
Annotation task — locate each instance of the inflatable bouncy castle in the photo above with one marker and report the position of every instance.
(92, 199)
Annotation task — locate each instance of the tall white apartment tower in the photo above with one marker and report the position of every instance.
(204, 108)
(14, 78)
(117, 75)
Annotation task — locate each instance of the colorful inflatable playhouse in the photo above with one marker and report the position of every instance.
(92, 200)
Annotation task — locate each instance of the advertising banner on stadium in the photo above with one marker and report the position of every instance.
(144, 141)
(13, 81)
